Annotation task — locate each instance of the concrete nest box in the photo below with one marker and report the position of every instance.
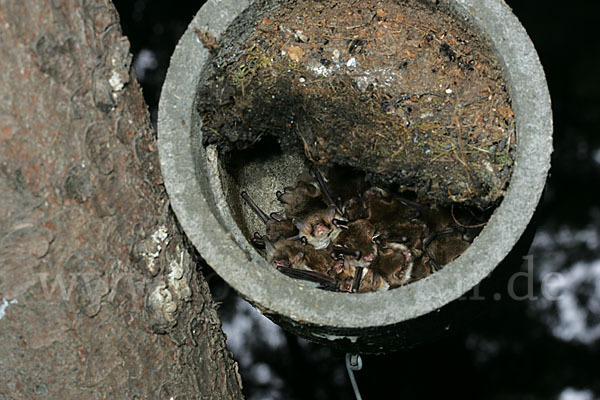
(204, 188)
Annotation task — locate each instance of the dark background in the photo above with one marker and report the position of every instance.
(528, 349)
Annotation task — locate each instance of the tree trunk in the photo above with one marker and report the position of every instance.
(100, 295)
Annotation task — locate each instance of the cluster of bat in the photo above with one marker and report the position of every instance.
(375, 240)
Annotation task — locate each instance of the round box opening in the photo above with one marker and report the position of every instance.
(204, 189)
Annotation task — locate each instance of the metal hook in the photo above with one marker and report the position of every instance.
(354, 363)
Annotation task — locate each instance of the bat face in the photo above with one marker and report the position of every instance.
(394, 263)
(345, 275)
(303, 262)
(445, 249)
(284, 253)
(373, 241)
(356, 243)
(281, 229)
(317, 260)
(354, 209)
(301, 200)
(319, 229)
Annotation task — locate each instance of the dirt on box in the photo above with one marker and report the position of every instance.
(402, 90)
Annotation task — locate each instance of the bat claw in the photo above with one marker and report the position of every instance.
(258, 241)
(283, 197)
(340, 223)
(357, 278)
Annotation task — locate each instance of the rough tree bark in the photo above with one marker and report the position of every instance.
(82, 204)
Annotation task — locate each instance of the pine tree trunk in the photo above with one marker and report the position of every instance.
(100, 294)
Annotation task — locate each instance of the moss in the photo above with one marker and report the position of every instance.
(411, 96)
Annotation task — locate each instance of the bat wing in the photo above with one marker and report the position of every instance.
(324, 281)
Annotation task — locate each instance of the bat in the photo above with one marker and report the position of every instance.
(275, 226)
(375, 240)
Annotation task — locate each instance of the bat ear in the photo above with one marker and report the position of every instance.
(329, 214)
(283, 197)
(299, 256)
(303, 227)
(269, 247)
(276, 217)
